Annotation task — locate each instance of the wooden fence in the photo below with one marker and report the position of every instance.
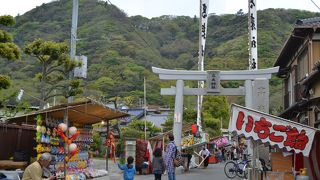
(15, 138)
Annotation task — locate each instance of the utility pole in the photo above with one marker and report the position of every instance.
(145, 108)
(73, 44)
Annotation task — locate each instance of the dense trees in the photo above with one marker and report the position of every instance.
(136, 129)
(121, 50)
(8, 49)
(55, 68)
(215, 112)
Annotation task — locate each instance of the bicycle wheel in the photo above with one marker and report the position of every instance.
(241, 172)
(230, 169)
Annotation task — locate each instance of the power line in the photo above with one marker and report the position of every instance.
(315, 4)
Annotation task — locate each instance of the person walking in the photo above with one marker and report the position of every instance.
(35, 170)
(158, 164)
(171, 152)
(128, 169)
(205, 153)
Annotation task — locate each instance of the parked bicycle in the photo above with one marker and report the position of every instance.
(236, 168)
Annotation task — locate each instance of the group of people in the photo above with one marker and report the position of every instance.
(160, 164)
(235, 152)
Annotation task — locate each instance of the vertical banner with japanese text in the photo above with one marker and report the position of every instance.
(252, 26)
(204, 9)
(271, 129)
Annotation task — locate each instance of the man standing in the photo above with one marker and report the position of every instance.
(205, 153)
(35, 170)
(169, 158)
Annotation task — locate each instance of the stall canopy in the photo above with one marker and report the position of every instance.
(81, 113)
(271, 129)
(220, 141)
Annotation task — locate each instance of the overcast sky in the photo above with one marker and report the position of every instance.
(155, 8)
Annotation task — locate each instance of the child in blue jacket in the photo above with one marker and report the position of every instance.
(128, 169)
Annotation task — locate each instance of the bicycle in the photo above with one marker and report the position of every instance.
(235, 168)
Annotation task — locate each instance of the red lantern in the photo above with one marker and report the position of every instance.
(194, 128)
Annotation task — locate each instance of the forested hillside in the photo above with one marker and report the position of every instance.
(121, 50)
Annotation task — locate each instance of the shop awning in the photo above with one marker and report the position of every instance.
(80, 113)
(271, 129)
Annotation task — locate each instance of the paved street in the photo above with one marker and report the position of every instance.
(213, 172)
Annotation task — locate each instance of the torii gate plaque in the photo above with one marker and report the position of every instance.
(256, 84)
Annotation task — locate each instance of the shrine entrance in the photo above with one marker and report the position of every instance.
(255, 90)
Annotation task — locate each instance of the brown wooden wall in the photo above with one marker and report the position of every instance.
(15, 138)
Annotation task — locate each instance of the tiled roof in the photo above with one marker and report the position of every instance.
(309, 21)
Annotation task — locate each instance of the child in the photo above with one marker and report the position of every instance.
(129, 169)
(158, 164)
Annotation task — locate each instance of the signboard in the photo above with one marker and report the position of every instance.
(213, 81)
(271, 129)
(260, 92)
(81, 71)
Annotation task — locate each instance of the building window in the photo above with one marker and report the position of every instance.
(303, 64)
(317, 122)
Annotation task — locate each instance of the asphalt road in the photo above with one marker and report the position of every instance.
(212, 172)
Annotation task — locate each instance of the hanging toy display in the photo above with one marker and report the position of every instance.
(39, 148)
(63, 127)
(52, 136)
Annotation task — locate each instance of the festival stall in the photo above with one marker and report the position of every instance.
(215, 143)
(288, 138)
(65, 132)
(160, 140)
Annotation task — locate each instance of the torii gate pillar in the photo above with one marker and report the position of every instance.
(178, 113)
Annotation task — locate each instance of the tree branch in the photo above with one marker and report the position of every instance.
(50, 70)
(53, 88)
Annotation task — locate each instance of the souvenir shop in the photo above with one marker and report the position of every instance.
(65, 131)
(292, 145)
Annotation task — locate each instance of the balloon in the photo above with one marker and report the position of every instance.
(74, 136)
(72, 147)
(43, 129)
(63, 127)
(72, 131)
(38, 128)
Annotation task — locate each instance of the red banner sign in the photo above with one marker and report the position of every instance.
(274, 130)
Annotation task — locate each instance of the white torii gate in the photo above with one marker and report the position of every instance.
(256, 90)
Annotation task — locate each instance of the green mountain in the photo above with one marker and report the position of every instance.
(121, 50)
